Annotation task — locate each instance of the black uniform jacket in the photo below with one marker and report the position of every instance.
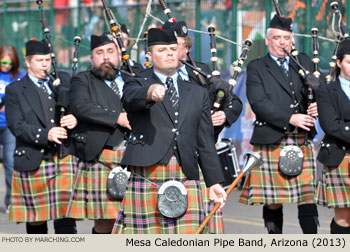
(26, 119)
(97, 109)
(270, 96)
(153, 129)
(232, 110)
(334, 116)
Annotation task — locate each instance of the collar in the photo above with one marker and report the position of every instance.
(163, 77)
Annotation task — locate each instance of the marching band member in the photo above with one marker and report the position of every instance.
(171, 134)
(278, 97)
(333, 102)
(42, 182)
(95, 100)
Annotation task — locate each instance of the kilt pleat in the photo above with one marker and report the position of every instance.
(333, 190)
(266, 185)
(90, 198)
(139, 213)
(42, 194)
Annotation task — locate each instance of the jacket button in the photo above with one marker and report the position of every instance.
(346, 127)
(328, 145)
(344, 148)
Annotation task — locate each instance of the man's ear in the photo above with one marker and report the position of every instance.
(149, 56)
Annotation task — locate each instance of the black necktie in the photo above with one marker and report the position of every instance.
(41, 82)
(114, 87)
(174, 98)
(281, 61)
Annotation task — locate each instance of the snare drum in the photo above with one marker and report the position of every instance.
(229, 163)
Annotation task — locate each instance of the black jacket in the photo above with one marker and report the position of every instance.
(153, 129)
(27, 121)
(334, 116)
(270, 97)
(232, 109)
(97, 109)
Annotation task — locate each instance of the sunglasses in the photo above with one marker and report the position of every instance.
(5, 62)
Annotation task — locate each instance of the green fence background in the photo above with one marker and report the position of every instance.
(235, 20)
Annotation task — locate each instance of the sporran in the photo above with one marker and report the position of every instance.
(172, 199)
(291, 161)
(117, 182)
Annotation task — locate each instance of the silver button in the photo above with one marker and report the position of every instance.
(328, 145)
(51, 109)
(260, 123)
(285, 128)
(37, 136)
(344, 148)
(134, 138)
(141, 136)
(23, 151)
(42, 150)
(173, 130)
(176, 113)
(36, 141)
(19, 153)
(175, 147)
(49, 97)
(52, 121)
(346, 127)
(175, 121)
(177, 133)
(39, 130)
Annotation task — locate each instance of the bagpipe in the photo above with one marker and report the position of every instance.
(114, 29)
(310, 79)
(341, 34)
(62, 91)
(77, 41)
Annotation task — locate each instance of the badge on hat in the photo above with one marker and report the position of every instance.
(179, 28)
(281, 23)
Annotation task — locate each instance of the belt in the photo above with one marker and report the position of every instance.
(114, 148)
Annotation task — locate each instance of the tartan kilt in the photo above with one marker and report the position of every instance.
(333, 190)
(42, 194)
(266, 185)
(90, 198)
(139, 213)
(216, 222)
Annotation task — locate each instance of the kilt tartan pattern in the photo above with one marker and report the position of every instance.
(266, 185)
(42, 194)
(216, 222)
(139, 213)
(334, 188)
(90, 198)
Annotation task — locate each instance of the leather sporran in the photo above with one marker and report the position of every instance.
(117, 182)
(291, 161)
(172, 199)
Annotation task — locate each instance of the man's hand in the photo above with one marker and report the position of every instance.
(68, 121)
(218, 118)
(156, 93)
(302, 121)
(312, 110)
(123, 120)
(57, 133)
(217, 194)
